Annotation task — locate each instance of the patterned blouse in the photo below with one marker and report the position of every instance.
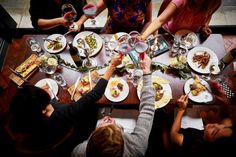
(125, 15)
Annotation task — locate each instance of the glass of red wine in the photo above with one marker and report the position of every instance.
(141, 47)
(68, 12)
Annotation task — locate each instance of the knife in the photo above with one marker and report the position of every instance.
(76, 84)
(18, 74)
(50, 88)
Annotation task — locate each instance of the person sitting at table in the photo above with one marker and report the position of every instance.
(193, 15)
(125, 16)
(214, 139)
(109, 139)
(42, 123)
(47, 15)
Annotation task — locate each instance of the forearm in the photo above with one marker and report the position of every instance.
(175, 136)
(110, 69)
(46, 24)
(152, 27)
(82, 19)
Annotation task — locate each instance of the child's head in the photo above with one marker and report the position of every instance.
(106, 140)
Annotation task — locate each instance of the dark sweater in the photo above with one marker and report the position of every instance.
(49, 9)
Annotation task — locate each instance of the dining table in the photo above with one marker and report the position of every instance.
(19, 50)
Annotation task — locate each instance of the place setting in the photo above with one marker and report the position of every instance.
(163, 92)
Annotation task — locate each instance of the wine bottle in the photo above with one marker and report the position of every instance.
(75, 55)
(227, 59)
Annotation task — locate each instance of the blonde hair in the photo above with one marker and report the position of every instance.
(208, 7)
(106, 141)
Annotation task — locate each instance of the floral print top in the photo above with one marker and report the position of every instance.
(125, 15)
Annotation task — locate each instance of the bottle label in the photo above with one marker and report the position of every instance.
(228, 58)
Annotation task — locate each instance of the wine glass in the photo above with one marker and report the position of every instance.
(141, 47)
(124, 48)
(90, 11)
(111, 45)
(133, 38)
(68, 12)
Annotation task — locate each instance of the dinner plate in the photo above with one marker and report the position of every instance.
(83, 35)
(190, 38)
(200, 50)
(43, 82)
(123, 94)
(113, 38)
(166, 88)
(203, 96)
(57, 37)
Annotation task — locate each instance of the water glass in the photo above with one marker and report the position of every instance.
(34, 45)
(138, 74)
(59, 79)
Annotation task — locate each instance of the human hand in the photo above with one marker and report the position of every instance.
(182, 102)
(75, 27)
(64, 22)
(206, 31)
(116, 60)
(145, 64)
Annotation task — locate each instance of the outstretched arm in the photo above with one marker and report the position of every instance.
(176, 137)
(160, 20)
(148, 16)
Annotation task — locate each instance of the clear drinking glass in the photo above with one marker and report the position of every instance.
(68, 12)
(59, 79)
(141, 47)
(137, 75)
(133, 38)
(34, 45)
(90, 11)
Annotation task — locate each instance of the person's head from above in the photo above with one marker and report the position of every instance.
(29, 107)
(216, 131)
(106, 140)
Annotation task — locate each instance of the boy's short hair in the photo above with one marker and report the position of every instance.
(106, 141)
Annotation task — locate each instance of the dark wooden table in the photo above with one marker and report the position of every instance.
(19, 51)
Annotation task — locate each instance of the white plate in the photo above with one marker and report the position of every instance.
(114, 39)
(61, 39)
(83, 35)
(122, 95)
(193, 36)
(43, 82)
(167, 91)
(195, 66)
(204, 96)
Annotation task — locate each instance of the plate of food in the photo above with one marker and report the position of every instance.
(28, 66)
(84, 85)
(92, 40)
(200, 59)
(54, 43)
(117, 90)
(43, 84)
(189, 38)
(163, 91)
(198, 90)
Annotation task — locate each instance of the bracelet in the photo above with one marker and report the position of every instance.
(147, 74)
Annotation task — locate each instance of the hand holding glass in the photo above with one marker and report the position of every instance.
(141, 47)
(68, 12)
